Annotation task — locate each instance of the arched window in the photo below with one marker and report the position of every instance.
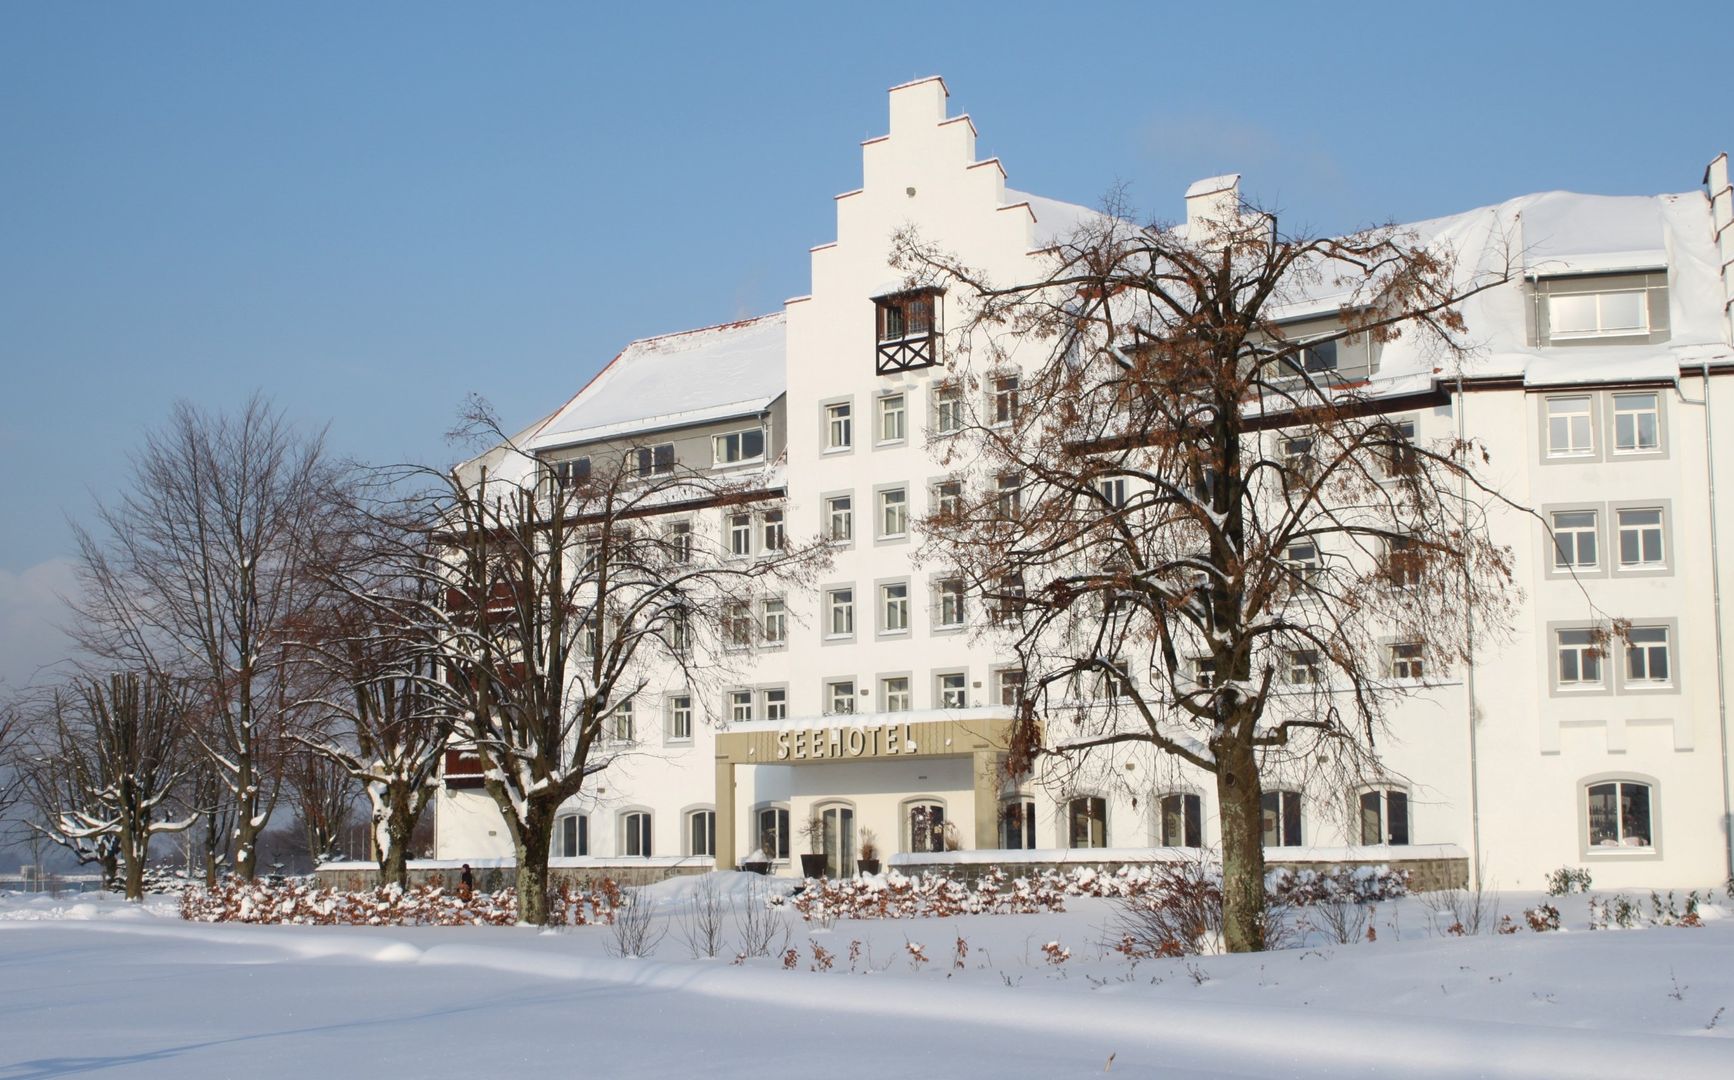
(1384, 816)
(773, 831)
(635, 838)
(571, 836)
(1087, 822)
(701, 832)
(924, 825)
(836, 824)
(1620, 815)
(1282, 818)
(1017, 823)
(1180, 820)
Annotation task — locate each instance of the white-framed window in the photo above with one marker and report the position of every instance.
(617, 726)
(1640, 538)
(948, 498)
(1204, 672)
(1620, 814)
(947, 409)
(894, 694)
(590, 636)
(840, 613)
(635, 834)
(776, 700)
(1404, 561)
(738, 624)
(948, 610)
(923, 826)
(1407, 660)
(1017, 823)
(1647, 660)
(1574, 539)
(1004, 398)
(772, 523)
(1605, 314)
(655, 460)
(571, 836)
(740, 533)
(773, 831)
(894, 608)
(680, 633)
(840, 518)
(1008, 494)
(740, 706)
(1570, 426)
(701, 832)
(951, 689)
(1399, 457)
(1384, 816)
(1305, 667)
(737, 447)
(1299, 464)
(1180, 820)
(1637, 423)
(1008, 598)
(1578, 658)
(569, 473)
(1008, 685)
(677, 541)
(1111, 685)
(893, 419)
(839, 426)
(680, 717)
(1087, 822)
(1113, 491)
(774, 617)
(893, 513)
(1302, 557)
(840, 697)
(1281, 814)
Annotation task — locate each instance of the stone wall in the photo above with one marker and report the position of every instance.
(491, 878)
(1425, 874)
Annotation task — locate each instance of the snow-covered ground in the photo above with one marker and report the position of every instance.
(93, 987)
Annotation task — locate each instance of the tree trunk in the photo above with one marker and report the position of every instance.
(535, 837)
(135, 868)
(246, 834)
(1239, 795)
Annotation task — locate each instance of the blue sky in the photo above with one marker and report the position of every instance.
(370, 211)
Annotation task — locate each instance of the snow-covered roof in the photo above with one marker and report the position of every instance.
(1210, 185)
(1055, 220)
(691, 377)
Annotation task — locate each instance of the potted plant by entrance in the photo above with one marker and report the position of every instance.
(813, 862)
(868, 863)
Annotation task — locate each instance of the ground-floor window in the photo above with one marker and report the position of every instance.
(774, 831)
(636, 842)
(1282, 818)
(1180, 820)
(571, 836)
(924, 827)
(1384, 816)
(701, 832)
(1087, 822)
(836, 826)
(1620, 814)
(1017, 823)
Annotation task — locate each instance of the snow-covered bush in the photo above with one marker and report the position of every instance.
(303, 903)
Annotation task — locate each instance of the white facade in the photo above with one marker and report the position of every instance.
(1600, 378)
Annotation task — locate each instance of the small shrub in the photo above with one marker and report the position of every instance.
(1567, 880)
(1542, 918)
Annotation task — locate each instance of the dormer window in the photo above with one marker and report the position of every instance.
(907, 330)
(1599, 314)
(570, 473)
(656, 460)
(739, 446)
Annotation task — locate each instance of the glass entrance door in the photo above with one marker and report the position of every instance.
(838, 824)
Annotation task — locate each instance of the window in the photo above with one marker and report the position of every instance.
(1302, 558)
(1568, 427)
(1017, 823)
(1009, 495)
(1304, 667)
(740, 530)
(894, 694)
(1004, 402)
(840, 518)
(1637, 424)
(905, 315)
(636, 841)
(1640, 538)
(678, 540)
(839, 426)
(776, 621)
(1319, 356)
(1404, 561)
(617, 724)
(1399, 453)
(680, 717)
(840, 697)
(925, 823)
(1180, 820)
(893, 512)
(739, 446)
(948, 499)
(679, 634)
(1113, 490)
(952, 690)
(589, 636)
(1281, 812)
(571, 836)
(738, 625)
(1597, 314)
(1204, 672)
(656, 460)
(948, 602)
(1087, 822)
(773, 530)
(701, 832)
(947, 409)
(570, 473)
(1385, 816)
(894, 608)
(1008, 685)
(773, 822)
(1574, 539)
(1111, 685)
(1579, 658)
(1298, 462)
(776, 703)
(840, 613)
(1647, 656)
(1407, 660)
(740, 706)
(1008, 601)
(1619, 815)
(893, 426)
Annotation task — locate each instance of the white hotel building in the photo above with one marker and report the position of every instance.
(875, 700)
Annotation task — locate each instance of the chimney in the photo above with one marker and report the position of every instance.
(1212, 202)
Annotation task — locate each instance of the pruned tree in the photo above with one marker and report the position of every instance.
(114, 752)
(200, 570)
(1200, 537)
(560, 596)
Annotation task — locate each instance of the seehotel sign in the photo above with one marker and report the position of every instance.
(870, 741)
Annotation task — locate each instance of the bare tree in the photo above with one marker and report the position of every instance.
(200, 570)
(558, 598)
(323, 792)
(1201, 538)
(11, 739)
